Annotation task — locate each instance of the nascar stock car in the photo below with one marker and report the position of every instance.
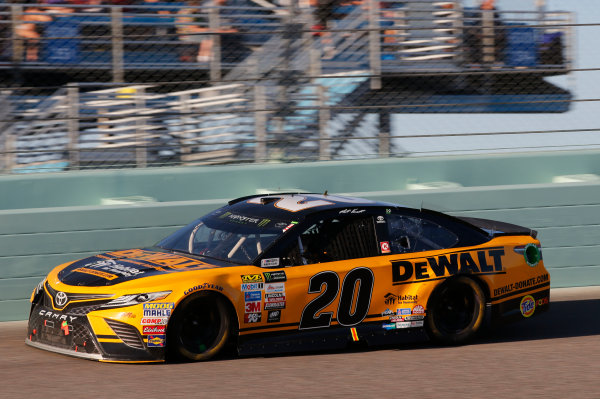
(292, 272)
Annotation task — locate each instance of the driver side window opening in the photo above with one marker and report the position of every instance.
(334, 239)
(413, 234)
(235, 245)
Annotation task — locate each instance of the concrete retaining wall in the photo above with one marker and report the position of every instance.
(49, 219)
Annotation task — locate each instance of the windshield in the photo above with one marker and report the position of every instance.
(227, 236)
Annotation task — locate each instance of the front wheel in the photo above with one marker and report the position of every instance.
(199, 328)
(456, 311)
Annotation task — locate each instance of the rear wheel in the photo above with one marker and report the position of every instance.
(456, 311)
(199, 328)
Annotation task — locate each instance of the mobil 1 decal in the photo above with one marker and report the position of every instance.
(358, 284)
(484, 261)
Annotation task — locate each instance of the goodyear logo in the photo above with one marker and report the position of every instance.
(251, 278)
(484, 261)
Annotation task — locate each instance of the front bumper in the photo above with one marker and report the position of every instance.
(70, 333)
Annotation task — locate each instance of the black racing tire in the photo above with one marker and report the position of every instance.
(456, 311)
(199, 328)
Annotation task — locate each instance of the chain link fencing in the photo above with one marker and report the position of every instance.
(233, 81)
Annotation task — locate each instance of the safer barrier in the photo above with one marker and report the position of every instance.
(52, 219)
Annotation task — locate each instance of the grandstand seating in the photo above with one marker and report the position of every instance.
(305, 81)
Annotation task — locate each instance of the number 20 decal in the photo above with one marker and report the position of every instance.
(345, 314)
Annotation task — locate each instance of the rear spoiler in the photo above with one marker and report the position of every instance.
(495, 228)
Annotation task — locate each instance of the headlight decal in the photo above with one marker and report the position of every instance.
(136, 299)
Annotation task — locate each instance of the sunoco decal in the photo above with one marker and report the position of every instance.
(156, 340)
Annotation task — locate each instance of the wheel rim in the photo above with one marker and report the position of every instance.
(200, 328)
(456, 310)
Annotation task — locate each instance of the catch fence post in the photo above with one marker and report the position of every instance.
(374, 44)
(141, 153)
(116, 20)
(73, 124)
(214, 24)
(260, 118)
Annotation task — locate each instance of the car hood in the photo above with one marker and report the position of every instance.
(112, 268)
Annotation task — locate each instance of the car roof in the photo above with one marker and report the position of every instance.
(300, 205)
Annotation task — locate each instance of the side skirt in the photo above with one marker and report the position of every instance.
(510, 310)
(331, 338)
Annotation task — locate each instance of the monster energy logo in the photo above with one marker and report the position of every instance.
(277, 276)
(264, 222)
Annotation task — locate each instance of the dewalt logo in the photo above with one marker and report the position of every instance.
(487, 261)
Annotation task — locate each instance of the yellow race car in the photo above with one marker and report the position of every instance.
(292, 272)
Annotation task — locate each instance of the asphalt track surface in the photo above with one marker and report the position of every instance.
(554, 355)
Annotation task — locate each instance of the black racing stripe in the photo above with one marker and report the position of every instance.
(334, 320)
(448, 276)
(274, 333)
(523, 291)
(269, 327)
(450, 253)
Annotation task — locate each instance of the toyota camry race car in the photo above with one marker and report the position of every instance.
(292, 272)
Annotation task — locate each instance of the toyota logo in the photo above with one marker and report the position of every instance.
(61, 298)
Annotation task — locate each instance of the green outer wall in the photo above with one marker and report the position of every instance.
(49, 219)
